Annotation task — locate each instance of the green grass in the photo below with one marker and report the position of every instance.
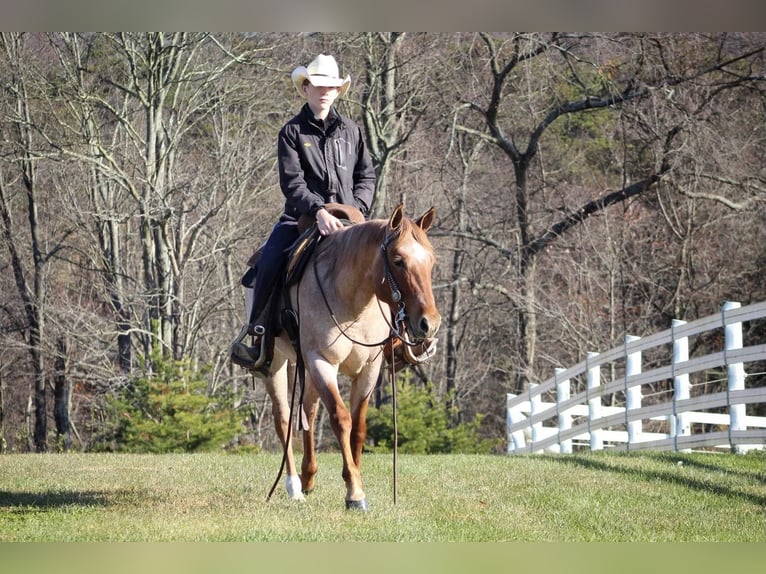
(604, 496)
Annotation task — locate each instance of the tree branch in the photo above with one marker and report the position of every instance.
(552, 233)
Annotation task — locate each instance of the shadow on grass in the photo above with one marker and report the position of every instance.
(759, 476)
(54, 499)
(670, 476)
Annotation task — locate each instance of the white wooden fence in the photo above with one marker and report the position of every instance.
(683, 417)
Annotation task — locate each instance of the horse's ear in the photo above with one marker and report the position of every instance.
(396, 217)
(427, 219)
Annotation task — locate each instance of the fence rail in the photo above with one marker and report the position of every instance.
(681, 422)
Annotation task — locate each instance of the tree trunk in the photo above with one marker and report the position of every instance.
(31, 293)
(2, 413)
(41, 404)
(29, 424)
(62, 396)
(381, 116)
(527, 320)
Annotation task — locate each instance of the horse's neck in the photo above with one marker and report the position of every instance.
(355, 264)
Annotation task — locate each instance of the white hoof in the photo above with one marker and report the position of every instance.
(294, 488)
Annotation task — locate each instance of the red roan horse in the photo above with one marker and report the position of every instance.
(358, 279)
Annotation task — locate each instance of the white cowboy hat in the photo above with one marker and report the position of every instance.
(323, 71)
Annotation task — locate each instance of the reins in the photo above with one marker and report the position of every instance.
(394, 328)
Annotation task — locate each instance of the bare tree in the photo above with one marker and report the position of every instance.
(141, 124)
(20, 192)
(393, 102)
(638, 73)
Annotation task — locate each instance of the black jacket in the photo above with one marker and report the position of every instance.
(323, 162)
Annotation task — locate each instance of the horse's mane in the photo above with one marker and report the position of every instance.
(345, 246)
(341, 248)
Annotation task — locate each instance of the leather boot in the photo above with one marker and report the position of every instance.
(252, 358)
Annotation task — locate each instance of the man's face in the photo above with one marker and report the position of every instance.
(320, 98)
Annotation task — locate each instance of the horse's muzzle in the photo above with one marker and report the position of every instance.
(426, 327)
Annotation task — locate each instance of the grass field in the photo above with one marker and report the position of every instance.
(608, 497)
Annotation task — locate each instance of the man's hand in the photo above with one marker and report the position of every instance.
(327, 222)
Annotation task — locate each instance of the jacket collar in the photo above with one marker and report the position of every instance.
(330, 121)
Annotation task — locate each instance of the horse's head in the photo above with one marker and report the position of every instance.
(409, 260)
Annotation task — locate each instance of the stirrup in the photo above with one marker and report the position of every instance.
(255, 330)
(242, 354)
(242, 334)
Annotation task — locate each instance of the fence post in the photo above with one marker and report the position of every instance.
(735, 371)
(594, 402)
(514, 415)
(679, 423)
(633, 394)
(563, 390)
(535, 406)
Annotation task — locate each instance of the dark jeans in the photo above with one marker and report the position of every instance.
(272, 263)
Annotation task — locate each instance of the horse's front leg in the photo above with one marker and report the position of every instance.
(277, 387)
(325, 378)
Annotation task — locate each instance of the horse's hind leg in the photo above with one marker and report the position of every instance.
(359, 430)
(309, 465)
(277, 388)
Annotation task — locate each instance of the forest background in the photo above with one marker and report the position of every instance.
(587, 186)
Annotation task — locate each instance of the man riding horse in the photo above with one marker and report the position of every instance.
(366, 287)
(322, 159)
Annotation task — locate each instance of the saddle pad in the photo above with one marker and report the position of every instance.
(300, 254)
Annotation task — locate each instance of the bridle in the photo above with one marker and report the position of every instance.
(396, 294)
(397, 327)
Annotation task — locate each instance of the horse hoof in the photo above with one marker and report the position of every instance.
(297, 496)
(293, 486)
(357, 505)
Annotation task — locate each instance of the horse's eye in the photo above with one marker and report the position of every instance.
(399, 262)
